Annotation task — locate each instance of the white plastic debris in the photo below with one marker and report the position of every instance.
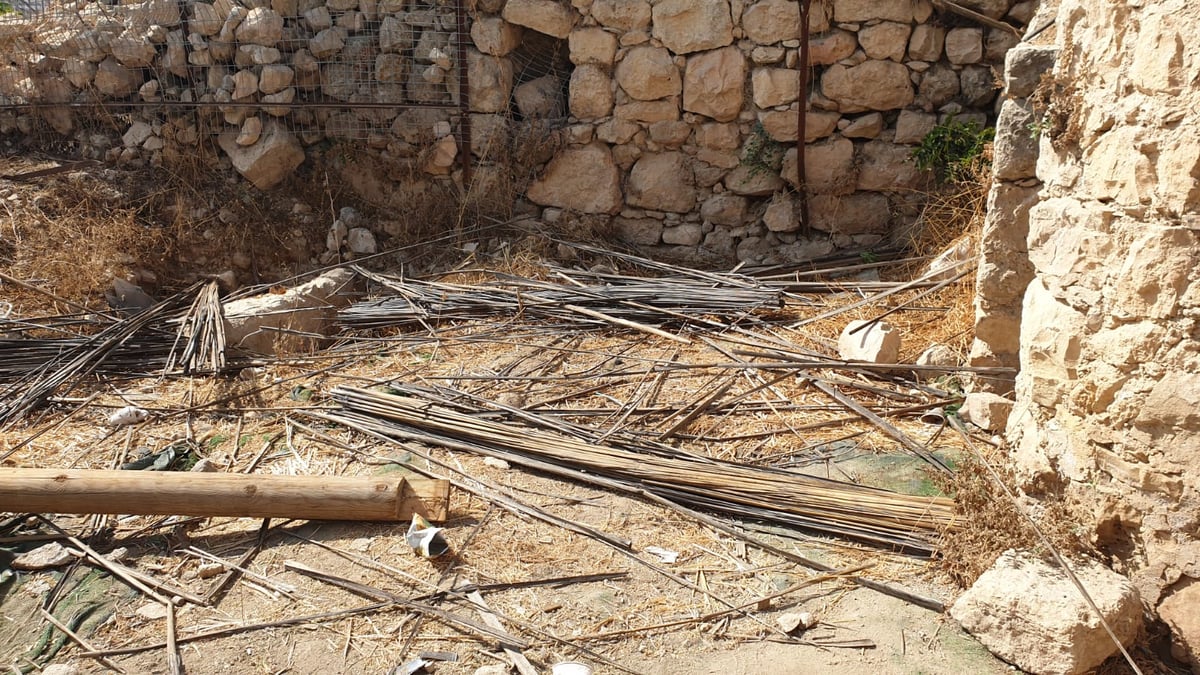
(667, 556)
(130, 414)
(426, 539)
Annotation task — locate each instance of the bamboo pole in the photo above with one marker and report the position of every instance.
(377, 498)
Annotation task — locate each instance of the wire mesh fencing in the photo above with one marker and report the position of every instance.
(380, 71)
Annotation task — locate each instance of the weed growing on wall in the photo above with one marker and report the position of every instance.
(762, 153)
(952, 148)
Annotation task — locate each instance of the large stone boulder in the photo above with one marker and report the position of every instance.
(262, 323)
(648, 73)
(1029, 613)
(582, 179)
(267, 162)
(873, 342)
(1181, 612)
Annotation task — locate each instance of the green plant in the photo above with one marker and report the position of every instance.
(5, 8)
(952, 148)
(761, 152)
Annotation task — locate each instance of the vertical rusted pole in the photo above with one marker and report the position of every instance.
(802, 118)
(464, 94)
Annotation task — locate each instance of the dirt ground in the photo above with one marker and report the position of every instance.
(645, 614)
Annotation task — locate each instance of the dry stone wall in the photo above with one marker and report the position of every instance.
(677, 119)
(684, 116)
(1108, 394)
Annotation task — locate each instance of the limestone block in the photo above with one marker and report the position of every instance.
(327, 42)
(115, 80)
(254, 323)
(649, 111)
(775, 86)
(540, 98)
(250, 132)
(994, 9)
(79, 72)
(489, 135)
(714, 82)
(648, 73)
(495, 36)
(261, 26)
(873, 85)
(395, 35)
(205, 19)
(156, 13)
(174, 58)
(873, 342)
(1024, 66)
(1178, 611)
(986, 410)
(926, 43)
(937, 355)
(617, 131)
(964, 45)
(887, 166)
(769, 22)
(670, 133)
(939, 85)
(137, 134)
(490, 80)
(1028, 613)
(592, 45)
(1015, 151)
(583, 179)
(753, 181)
(256, 55)
(831, 47)
(885, 40)
(852, 11)
(544, 16)
(854, 214)
(687, 234)
(132, 50)
(337, 81)
(724, 208)
(864, 126)
(662, 182)
(644, 231)
(391, 68)
(997, 43)
(590, 95)
(318, 18)
(829, 167)
(1050, 343)
(979, 87)
(1004, 267)
(622, 15)
(780, 215)
(275, 78)
(718, 136)
(269, 161)
(686, 26)
(912, 126)
(783, 126)
(245, 84)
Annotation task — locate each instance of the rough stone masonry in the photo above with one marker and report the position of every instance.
(1099, 296)
(679, 119)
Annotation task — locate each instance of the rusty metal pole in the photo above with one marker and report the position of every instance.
(802, 117)
(464, 94)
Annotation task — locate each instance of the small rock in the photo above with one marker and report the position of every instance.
(209, 570)
(493, 669)
(876, 343)
(43, 557)
(1178, 611)
(938, 355)
(795, 621)
(360, 241)
(1029, 613)
(205, 465)
(128, 415)
(496, 463)
(986, 410)
(152, 611)
(61, 669)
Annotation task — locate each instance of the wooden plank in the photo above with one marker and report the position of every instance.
(376, 498)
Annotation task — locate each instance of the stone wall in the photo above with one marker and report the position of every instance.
(1108, 395)
(677, 119)
(684, 115)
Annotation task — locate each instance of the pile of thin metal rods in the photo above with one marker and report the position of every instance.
(602, 299)
(901, 522)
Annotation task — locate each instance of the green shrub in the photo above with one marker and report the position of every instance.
(953, 148)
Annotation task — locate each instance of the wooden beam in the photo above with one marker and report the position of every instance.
(375, 498)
